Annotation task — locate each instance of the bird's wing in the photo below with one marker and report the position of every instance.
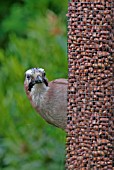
(60, 81)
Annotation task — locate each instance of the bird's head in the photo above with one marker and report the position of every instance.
(35, 76)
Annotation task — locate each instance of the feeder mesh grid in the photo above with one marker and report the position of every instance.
(90, 116)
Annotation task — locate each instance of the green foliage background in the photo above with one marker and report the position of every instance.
(32, 34)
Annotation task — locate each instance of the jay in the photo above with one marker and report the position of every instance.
(48, 98)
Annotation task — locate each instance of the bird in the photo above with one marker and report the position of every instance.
(49, 99)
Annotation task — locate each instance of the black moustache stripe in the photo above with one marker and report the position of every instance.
(46, 82)
(31, 84)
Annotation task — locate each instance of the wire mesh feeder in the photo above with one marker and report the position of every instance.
(90, 85)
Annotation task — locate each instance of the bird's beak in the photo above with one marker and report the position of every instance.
(38, 79)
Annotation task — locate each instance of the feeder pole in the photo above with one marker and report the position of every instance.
(90, 122)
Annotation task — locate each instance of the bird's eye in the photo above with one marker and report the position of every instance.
(28, 76)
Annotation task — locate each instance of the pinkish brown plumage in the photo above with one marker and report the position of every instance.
(49, 99)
